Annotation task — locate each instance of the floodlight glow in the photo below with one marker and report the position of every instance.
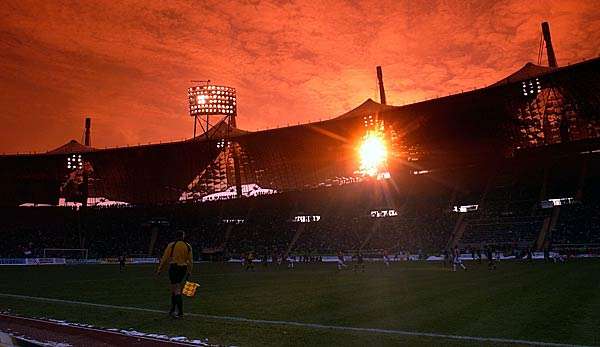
(530, 89)
(372, 153)
(74, 162)
(221, 144)
(211, 100)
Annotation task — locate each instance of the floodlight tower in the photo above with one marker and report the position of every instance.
(549, 48)
(210, 104)
(87, 134)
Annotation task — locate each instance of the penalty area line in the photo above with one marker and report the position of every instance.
(301, 324)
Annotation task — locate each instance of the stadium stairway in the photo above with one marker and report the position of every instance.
(553, 221)
(547, 227)
(153, 238)
(457, 233)
(295, 238)
(374, 229)
(227, 235)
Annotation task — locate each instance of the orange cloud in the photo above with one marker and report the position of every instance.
(128, 64)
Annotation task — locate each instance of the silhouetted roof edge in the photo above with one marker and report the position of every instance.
(71, 147)
(528, 71)
(220, 130)
(367, 107)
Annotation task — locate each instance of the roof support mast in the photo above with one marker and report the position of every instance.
(564, 121)
(381, 89)
(236, 156)
(87, 137)
(549, 49)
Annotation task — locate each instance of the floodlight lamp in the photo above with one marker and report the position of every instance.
(74, 161)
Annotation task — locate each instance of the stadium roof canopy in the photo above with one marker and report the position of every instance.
(71, 147)
(366, 108)
(220, 130)
(528, 71)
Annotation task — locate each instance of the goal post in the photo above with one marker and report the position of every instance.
(67, 253)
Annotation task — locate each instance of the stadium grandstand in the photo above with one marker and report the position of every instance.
(511, 151)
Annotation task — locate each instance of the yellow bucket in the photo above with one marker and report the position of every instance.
(189, 289)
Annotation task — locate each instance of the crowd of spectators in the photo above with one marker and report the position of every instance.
(264, 224)
(339, 218)
(578, 224)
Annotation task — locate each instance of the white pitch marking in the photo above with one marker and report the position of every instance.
(304, 325)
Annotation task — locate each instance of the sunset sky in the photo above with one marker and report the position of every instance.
(128, 64)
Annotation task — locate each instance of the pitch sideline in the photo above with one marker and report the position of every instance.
(301, 324)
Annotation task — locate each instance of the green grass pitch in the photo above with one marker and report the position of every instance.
(557, 303)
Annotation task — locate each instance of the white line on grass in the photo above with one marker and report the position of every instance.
(301, 324)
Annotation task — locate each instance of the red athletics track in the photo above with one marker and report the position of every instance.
(46, 331)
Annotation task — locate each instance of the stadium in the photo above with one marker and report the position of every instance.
(346, 231)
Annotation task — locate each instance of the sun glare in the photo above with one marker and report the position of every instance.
(372, 153)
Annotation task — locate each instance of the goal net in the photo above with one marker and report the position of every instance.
(67, 253)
